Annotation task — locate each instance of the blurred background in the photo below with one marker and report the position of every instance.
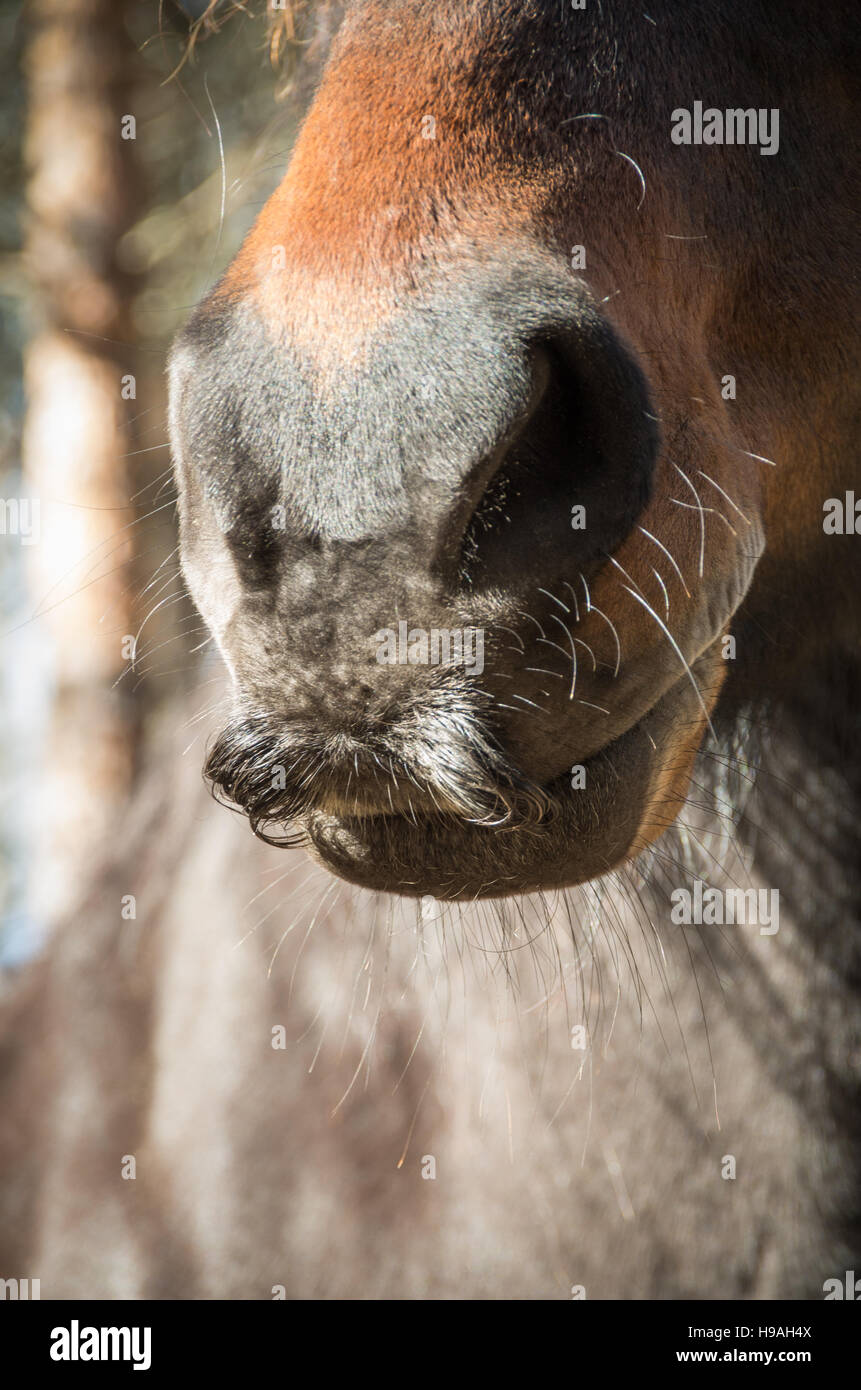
(138, 140)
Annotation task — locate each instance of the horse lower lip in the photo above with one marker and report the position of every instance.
(449, 857)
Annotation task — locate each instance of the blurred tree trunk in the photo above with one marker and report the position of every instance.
(82, 195)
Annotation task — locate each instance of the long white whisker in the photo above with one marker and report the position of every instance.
(679, 653)
(662, 547)
(713, 511)
(635, 165)
(725, 495)
(573, 654)
(688, 483)
(664, 590)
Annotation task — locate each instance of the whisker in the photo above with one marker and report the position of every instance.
(573, 654)
(662, 547)
(686, 480)
(724, 495)
(679, 653)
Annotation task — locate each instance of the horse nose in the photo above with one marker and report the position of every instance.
(495, 380)
(496, 436)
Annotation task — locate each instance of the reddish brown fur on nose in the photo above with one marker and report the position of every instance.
(392, 162)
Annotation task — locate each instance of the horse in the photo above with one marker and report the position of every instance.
(514, 453)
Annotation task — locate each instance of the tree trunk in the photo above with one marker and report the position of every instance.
(82, 195)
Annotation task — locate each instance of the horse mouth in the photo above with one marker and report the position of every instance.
(625, 796)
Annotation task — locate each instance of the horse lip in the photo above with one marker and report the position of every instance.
(448, 858)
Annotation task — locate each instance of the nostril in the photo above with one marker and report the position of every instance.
(573, 480)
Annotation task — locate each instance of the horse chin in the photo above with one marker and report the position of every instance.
(616, 804)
